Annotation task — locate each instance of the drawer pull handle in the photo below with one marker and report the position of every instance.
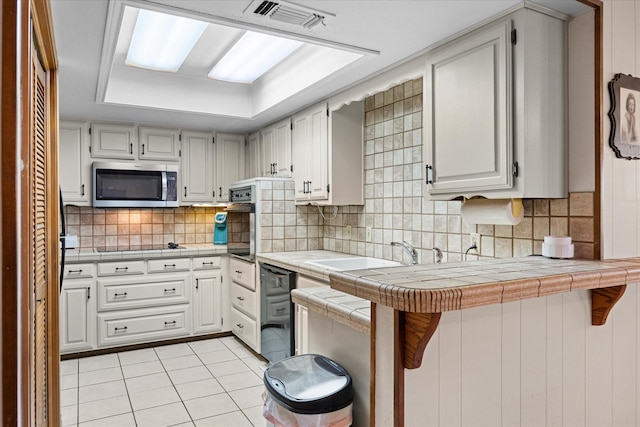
(123, 294)
(280, 310)
(240, 298)
(169, 290)
(122, 268)
(208, 263)
(239, 325)
(75, 271)
(239, 272)
(124, 328)
(169, 266)
(173, 322)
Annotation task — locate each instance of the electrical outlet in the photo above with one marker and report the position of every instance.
(368, 234)
(347, 232)
(475, 238)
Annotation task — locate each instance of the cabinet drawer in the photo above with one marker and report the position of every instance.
(77, 271)
(119, 294)
(277, 309)
(125, 327)
(167, 265)
(243, 273)
(206, 263)
(244, 300)
(244, 328)
(120, 268)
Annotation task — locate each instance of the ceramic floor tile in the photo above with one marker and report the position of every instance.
(242, 352)
(100, 376)
(151, 398)
(101, 391)
(69, 415)
(181, 362)
(206, 346)
(210, 406)
(141, 369)
(217, 356)
(196, 389)
(228, 368)
(69, 397)
(189, 424)
(175, 350)
(137, 356)
(231, 342)
(254, 414)
(148, 382)
(235, 419)
(161, 416)
(95, 363)
(123, 420)
(103, 408)
(182, 376)
(69, 367)
(68, 381)
(254, 363)
(239, 381)
(247, 397)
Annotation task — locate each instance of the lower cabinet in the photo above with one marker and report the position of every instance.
(207, 302)
(244, 327)
(77, 315)
(302, 329)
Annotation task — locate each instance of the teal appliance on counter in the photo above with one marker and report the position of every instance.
(220, 229)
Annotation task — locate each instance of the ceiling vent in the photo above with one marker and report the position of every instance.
(288, 13)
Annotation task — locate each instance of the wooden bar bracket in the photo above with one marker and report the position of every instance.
(602, 301)
(418, 328)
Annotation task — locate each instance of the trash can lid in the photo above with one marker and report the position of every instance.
(309, 384)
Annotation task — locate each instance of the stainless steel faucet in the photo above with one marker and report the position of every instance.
(410, 250)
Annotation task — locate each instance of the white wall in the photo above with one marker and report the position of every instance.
(620, 178)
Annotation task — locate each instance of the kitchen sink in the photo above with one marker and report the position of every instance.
(353, 263)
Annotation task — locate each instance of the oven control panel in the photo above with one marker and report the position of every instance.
(244, 194)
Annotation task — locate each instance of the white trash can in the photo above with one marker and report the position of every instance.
(308, 390)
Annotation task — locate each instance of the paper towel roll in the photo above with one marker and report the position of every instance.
(489, 211)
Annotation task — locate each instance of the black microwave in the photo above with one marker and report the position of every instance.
(131, 185)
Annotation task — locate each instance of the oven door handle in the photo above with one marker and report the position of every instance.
(164, 186)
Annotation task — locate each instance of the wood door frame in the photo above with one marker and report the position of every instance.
(18, 17)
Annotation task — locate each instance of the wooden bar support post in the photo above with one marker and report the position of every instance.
(602, 301)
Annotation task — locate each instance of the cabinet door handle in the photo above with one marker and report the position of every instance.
(239, 325)
(185, 191)
(240, 298)
(169, 266)
(173, 322)
(123, 294)
(220, 193)
(131, 148)
(88, 293)
(121, 268)
(124, 328)
(143, 149)
(429, 173)
(83, 189)
(275, 168)
(169, 290)
(197, 283)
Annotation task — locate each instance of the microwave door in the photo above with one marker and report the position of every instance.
(164, 186)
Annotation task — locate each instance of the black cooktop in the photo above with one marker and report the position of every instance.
(138, 247)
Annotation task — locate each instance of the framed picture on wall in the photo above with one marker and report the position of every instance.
(624, 138)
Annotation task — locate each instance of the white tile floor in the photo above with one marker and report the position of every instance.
(214, 382)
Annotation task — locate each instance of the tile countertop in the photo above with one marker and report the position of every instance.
(91, 255)
(435, 288)
(297, 261)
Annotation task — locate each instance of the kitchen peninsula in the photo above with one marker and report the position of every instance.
(410, 300)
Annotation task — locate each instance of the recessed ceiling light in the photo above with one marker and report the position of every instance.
(161, 41)
(252, 56)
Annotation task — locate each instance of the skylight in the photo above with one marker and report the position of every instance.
(252, 56)
(161, 41)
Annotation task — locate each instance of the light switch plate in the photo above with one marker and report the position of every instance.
(368, 234)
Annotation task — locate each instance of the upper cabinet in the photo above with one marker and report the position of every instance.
(252, 156)
(328, 155)
(229, 162)
(113, 141)
(158, 144)
(495, 111)
(196, 168)
(276, 149)
(75, 173)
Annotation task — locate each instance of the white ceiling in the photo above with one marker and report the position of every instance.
(397, 29)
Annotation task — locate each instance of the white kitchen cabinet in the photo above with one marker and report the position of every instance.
(252, 156)
(328, 152)
(196, 168)
(275, 143)
(494, 111)
(75, 173)
(77, 315)
(158, 144)
(301, 330)
(244, 302)
(229, 163)
(207, 302)
(113, 141)
(151, 290)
